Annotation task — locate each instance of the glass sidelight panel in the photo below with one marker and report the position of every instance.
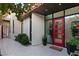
(49, 31)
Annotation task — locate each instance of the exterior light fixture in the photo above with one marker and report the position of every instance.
(29, 4)
(46, 10)
(59, 3)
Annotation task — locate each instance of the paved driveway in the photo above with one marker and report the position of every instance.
(10, 47)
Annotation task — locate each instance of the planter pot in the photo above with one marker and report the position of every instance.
(44, 44)
(44, 41)
(70, 48)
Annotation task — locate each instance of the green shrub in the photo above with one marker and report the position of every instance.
(22, 38)
(73, 42)
(72, 45)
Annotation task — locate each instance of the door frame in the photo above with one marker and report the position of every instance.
(30, 27)
(63, 32)
(2, 26)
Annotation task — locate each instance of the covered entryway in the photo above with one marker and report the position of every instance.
(6, 29)
(58, 13)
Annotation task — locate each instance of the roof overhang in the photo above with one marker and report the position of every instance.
(50, 8)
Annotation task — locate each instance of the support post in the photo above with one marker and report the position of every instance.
(52, 28)
(31, 27)
(64, 28)
(2, 31)
(45, 25)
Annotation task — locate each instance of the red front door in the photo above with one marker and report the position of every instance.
(58, 31)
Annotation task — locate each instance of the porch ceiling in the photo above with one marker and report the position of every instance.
(49, 8)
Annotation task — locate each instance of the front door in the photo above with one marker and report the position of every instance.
(6, 29)
(58, 31)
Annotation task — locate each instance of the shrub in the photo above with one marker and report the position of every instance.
(22, 38)
(72, 45)
(73, 42)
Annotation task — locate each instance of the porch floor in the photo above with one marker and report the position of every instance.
(10, 47)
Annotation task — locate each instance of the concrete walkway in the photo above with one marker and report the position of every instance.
(10, 47)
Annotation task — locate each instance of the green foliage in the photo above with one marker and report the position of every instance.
(23, 39)
(5, 6)
(73, 42)
(72, 45)
(16, 8)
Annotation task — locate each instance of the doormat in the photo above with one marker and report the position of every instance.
(56, 48)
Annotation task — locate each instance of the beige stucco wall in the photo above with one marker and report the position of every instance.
(17, 25)
(37, 28)
(26, 26)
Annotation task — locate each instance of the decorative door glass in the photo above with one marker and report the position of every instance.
(58, 31)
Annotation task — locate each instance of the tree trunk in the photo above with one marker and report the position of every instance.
(21, 27)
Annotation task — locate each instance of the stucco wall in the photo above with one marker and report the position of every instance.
(17, 25)
(37, 28)
(26, 26)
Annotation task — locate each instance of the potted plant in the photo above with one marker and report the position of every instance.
(72, 45)
(44, 41)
